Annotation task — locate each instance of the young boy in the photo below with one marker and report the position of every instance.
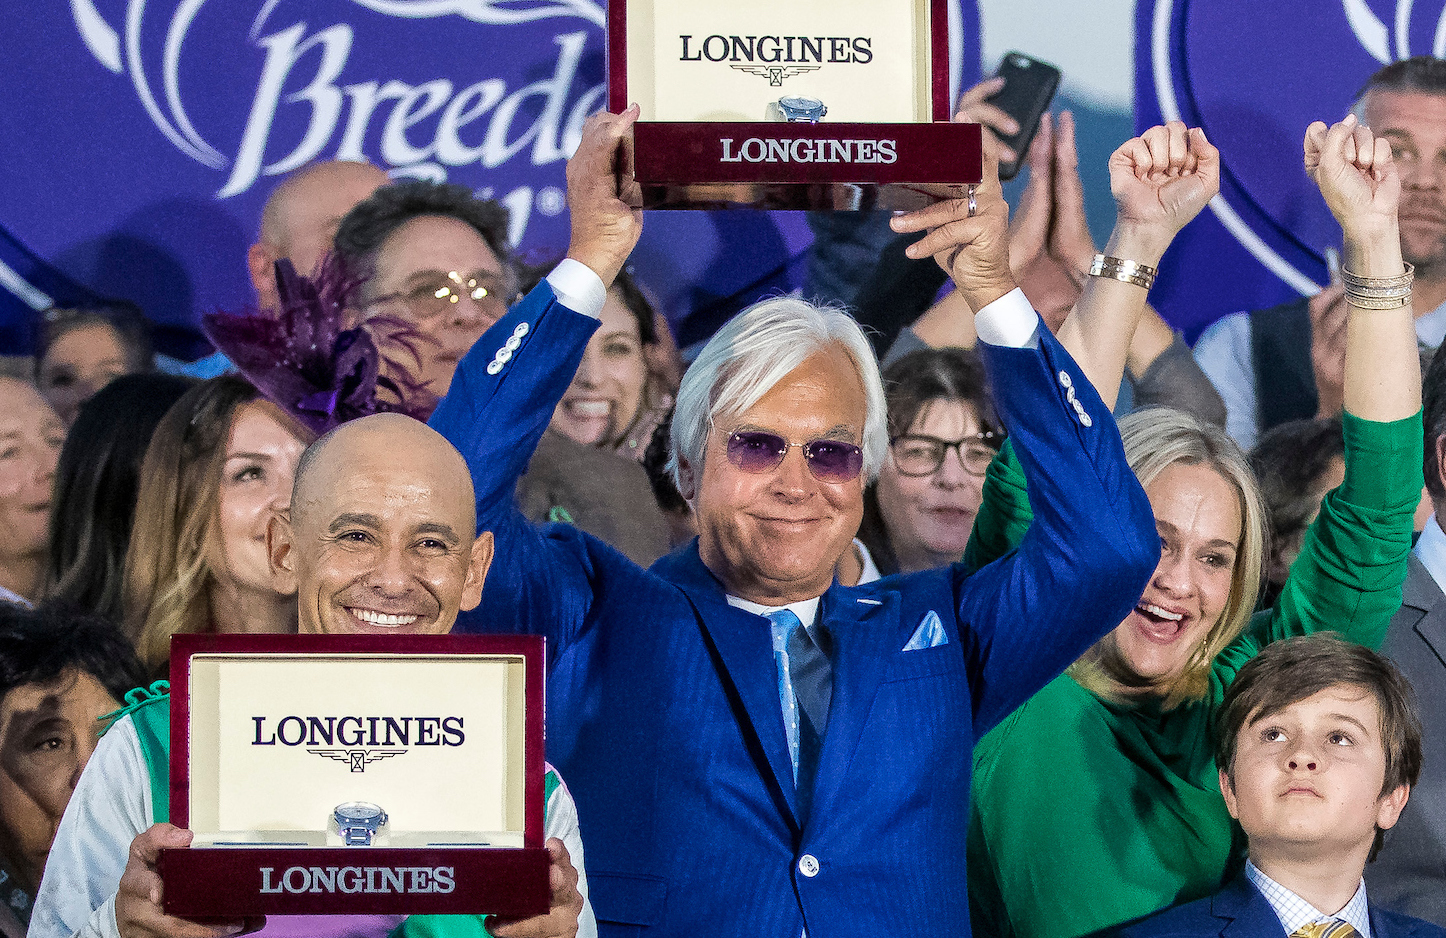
(1318, 747)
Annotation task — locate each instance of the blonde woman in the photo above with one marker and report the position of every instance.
(1098, 801)
(220, 464)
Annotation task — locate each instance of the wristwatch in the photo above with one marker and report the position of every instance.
(798, 109)
(358, 822)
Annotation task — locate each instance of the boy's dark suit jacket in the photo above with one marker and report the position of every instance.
(1240, 911)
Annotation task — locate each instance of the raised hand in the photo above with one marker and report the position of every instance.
(973, 250)
(974, 109)
(1328, 317)
(1029, 230)
(1161, 180)
(1070, 241)
(604, 200)
(1356, 174)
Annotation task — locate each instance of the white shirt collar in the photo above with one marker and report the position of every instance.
(9, 596)
(1294, 912)
(1431, 551)
(805, 609)
(1431, 328)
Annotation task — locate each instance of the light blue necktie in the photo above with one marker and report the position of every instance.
(805, 686)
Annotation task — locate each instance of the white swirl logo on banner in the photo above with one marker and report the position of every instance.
(1253, 76)
(158, 87)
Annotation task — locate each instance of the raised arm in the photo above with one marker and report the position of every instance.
(1160, 180)
(1352, 564)
(506, 388)
(1093, 544)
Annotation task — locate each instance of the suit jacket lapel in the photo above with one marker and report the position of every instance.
(743, 644)
(1243, 911)
(1421, 592)
(863, 644)
(1382, 927)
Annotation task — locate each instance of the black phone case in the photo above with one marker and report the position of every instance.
(1029, 86)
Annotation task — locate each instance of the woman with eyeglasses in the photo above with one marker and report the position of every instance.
(942, 436)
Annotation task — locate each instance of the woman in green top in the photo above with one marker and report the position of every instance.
(1098, 801)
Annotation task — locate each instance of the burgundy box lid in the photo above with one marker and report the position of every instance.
(232, 881)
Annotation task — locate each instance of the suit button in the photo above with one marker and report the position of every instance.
(513, 343)
(504, 355)
(521, 330)
(493, 367)
(808, 865)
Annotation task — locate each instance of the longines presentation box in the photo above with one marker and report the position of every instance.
(790, 104)
(326, 774)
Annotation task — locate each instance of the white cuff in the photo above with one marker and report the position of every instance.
(578, 287)
(1009, 322)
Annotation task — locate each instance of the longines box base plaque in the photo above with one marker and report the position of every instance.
(356, 775)
(813, 104)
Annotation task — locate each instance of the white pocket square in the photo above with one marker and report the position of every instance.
(929, 634)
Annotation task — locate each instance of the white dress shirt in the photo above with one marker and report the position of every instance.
(1294, 912)
(1430, 549)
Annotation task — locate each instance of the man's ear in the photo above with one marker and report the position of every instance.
(1389, 810)
(1227, 788)
(281, 554)
(1441, 460)
(477, 566)
(261, 261)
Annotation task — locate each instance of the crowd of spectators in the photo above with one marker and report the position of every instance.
(1048, 626)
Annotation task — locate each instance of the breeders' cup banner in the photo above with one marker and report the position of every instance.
(1254, 75)
(141, 138)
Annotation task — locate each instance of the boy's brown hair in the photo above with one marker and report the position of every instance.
(1290, 670)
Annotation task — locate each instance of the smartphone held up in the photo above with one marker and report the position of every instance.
(1029, 86)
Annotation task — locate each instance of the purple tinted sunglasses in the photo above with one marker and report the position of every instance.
(827, 460)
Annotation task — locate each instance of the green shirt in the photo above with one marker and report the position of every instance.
(1087, 814)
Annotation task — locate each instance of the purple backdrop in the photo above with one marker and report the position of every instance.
(1254, 75)
(141, 138)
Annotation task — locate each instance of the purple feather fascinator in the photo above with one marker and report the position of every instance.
(303, 359)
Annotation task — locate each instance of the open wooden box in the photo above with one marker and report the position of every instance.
(709, 77)
(269, 733)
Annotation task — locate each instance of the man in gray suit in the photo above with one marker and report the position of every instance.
(1410, 874)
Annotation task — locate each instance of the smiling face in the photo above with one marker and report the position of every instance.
(47, 734)
(607, 390)
(412, 267)
(256, 478)
(1307, 780)
(79, 363)
(380, 536)
(1198, 515)
(774, 537)
(30, 440)
(1414, 123)
(929, 517)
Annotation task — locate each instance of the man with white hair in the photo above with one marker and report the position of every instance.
(758, 750)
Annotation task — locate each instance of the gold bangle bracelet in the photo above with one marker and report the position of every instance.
(1377, 302)
(1402, 280)
(1125, 271)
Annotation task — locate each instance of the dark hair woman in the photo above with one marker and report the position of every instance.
(94, 504)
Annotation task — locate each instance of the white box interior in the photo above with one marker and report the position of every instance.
(894, 87)
(274, 742)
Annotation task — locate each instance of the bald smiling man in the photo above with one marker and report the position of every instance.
(379, 541)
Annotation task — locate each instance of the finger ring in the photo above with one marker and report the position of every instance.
(973, 192)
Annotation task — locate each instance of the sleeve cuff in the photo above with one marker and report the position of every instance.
(1009, 322)
(578, 287)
